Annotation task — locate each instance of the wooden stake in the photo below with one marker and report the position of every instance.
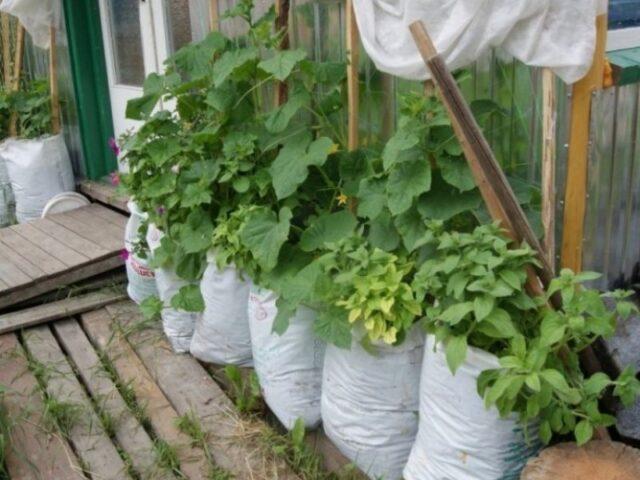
(15, 79)
(282, 25)
(353, 87)
(549, 116)
(6, 48)
(53, 82)
(214, 18)
(575, 198)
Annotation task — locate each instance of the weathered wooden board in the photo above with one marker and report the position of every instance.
(129, 432)
(161, 414)
(191, 389)
(34, 452)
(46, 254)
(105, 193)
(67, 277)
(86, 434)
(53, 311)
(54, 246)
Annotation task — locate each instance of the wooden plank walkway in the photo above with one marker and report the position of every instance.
(100, 395)
(47, 254)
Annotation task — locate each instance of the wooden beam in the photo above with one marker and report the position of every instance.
(53, 83)
(49, 312)
(353, 87)
(549, 116)
(577, 165)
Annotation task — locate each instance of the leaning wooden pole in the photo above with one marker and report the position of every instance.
(489, 177)
(549, 116)
(575, 198)
(353, 87)
(53, 84)
(491, 180)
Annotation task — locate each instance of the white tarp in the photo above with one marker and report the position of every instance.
(559, 34)
(37, 16)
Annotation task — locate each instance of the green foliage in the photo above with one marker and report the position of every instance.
(474, 284)
(244, 389)
(31, 104)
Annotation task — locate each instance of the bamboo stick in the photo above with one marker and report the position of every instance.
(353, 87)
(6, 49)
(549, 103)
(53, 82)
(214, 18)
(17, 73)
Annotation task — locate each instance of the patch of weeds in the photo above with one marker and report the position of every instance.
(189, 424)
(244, 390)
(167, 456)
(126, 458)
(293, 449)
(60, 415)
(107, 421)
(5, 435)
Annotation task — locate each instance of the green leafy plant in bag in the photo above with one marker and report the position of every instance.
(474, 286)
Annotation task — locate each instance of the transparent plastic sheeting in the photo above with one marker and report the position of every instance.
(37, 16)
(559, 34)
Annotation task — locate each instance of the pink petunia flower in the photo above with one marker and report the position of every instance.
(115, 178)
(113, 145)
(160, 210)
(124, 254)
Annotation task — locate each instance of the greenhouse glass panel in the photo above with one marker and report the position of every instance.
(624, 14)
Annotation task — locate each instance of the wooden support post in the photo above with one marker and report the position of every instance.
(282, 25)
(353, 87)
(214, 18)
(6, 49)
(53, 82)
(575, 198)
(17, 73)
(549, 116)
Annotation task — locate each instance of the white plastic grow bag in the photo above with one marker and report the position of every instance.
(370, 403)
(289, 366)
(141, 278)
(177, 324)
(543, 33)
(39, 169)
(458, 437)
(221, 334)
(6, 196)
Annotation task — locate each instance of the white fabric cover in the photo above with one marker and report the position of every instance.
(289, 366)
(177, 324)
(36, 16)
(221, 334)
(549, 33)
(39, 169)
(370, 403)
(141, 278)
(458, 438)
(6, 196)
